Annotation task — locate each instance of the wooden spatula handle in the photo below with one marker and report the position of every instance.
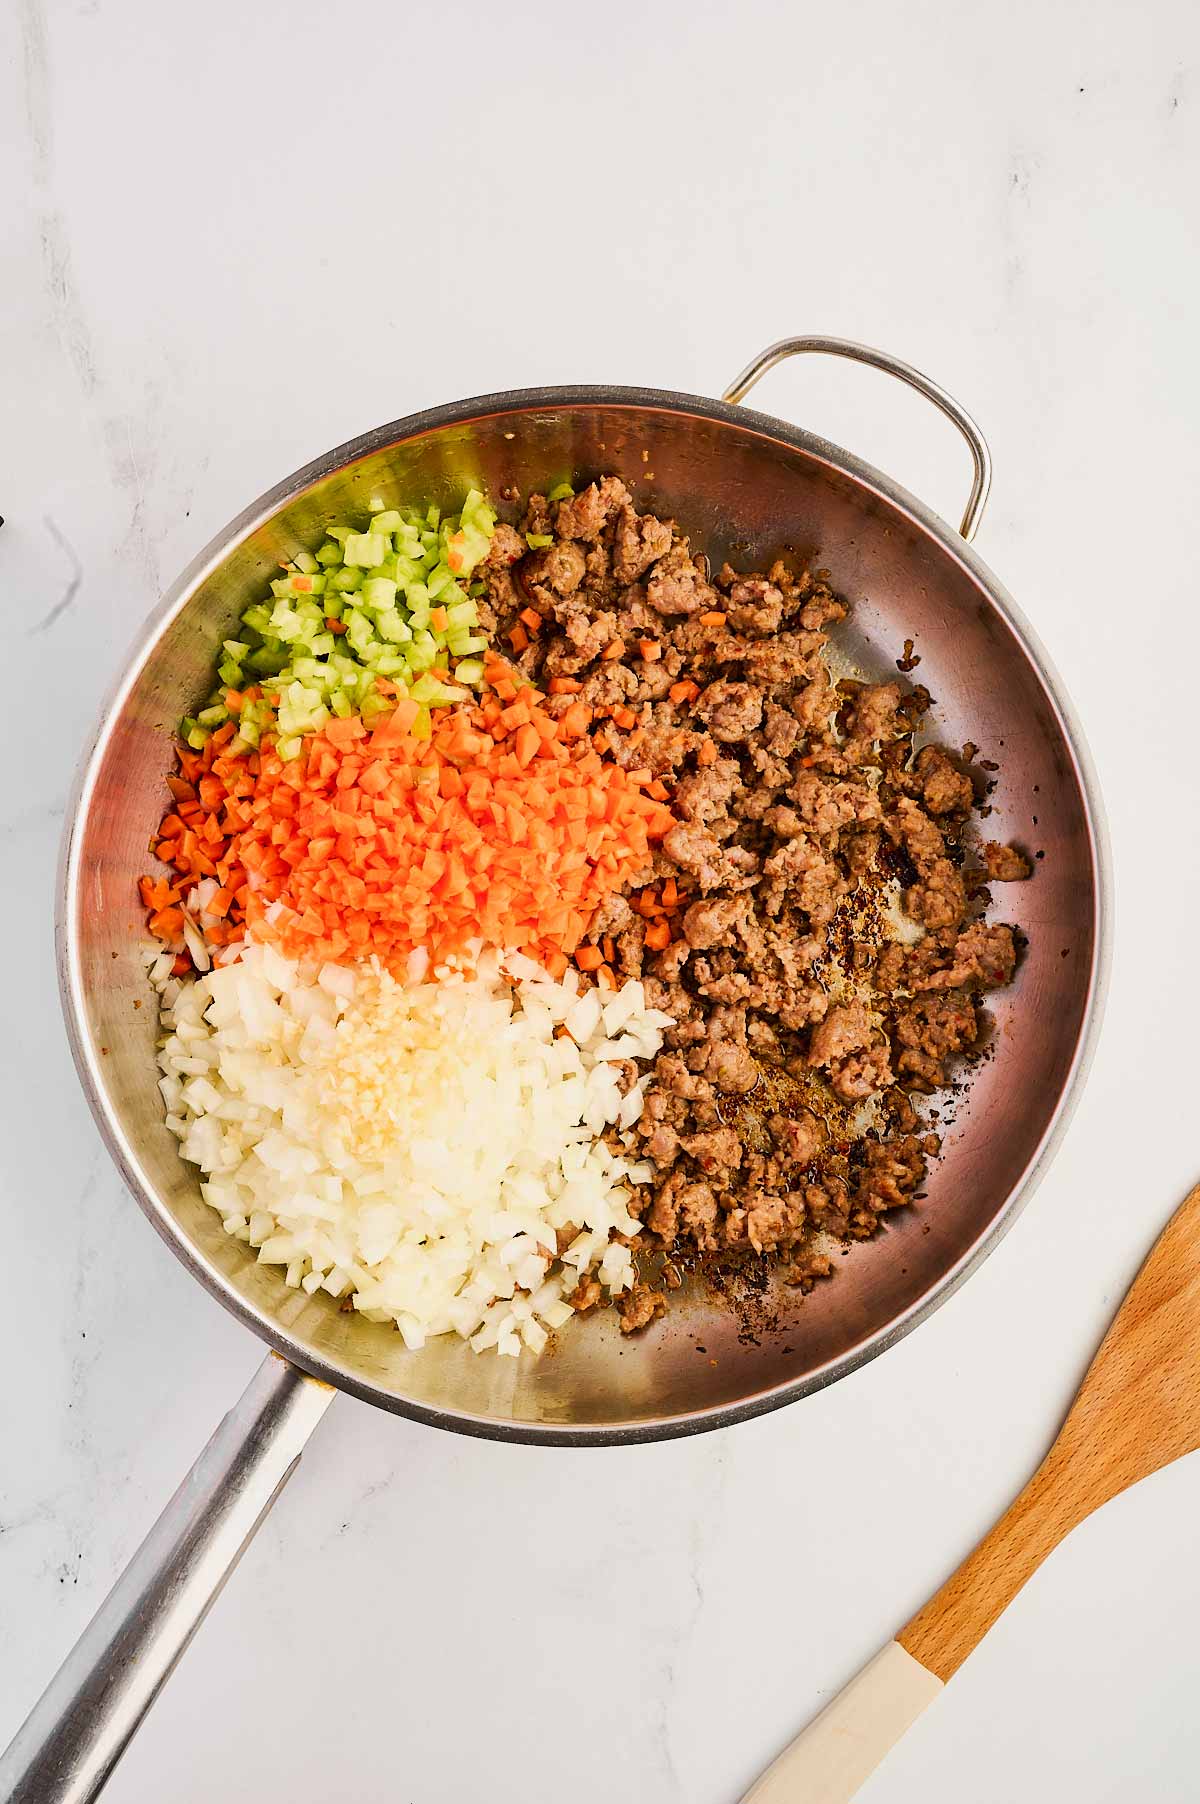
(829, 1760)
(956, 1618)
(841, 1747)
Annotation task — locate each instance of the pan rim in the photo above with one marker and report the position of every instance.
(67, 903)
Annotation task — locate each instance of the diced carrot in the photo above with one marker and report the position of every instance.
(563, 686)
(670, 893)
(658, 790)
(614, 649)
(658, 936)
(438, 620)
(625, 717)
(505, 825)
(683, 692)
(518, 638)
(589, 958)
(333, 626)
(712, 619)
(650, 650)
(528, 740)
(706, 754)
(605, 978)
(532, 619)
(576, 720)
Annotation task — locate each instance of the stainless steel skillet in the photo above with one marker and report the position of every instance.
(745, 485)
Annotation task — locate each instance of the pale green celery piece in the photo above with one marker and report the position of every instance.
(421, 653)
(474, 642)
(386, 568)
(229, 673)
(562, 491)
(304, 560)
(366, 549)
(469, 670)
(330, 553)
(288, 748)
(392, 663)
(235, 649)
(374, 704)
(359, 631)
(422, 728)
(537, 541)
(341, 704)
(433, 513)
(215, 716)
(416, 597)
(198, 738)
(257, 618)
(340, 533)
(390, 626)
(461, 613)
(440, 579)
(390, 520)
(248, 732)
(378, 592)
(346, 580)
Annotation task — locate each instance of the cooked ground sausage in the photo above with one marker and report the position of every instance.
(803, 815)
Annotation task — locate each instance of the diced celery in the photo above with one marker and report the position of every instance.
(377, 592)
(391, 627)
(562, 491)
(537, 541)
(422, 728)
(381, 585)
(366, 549)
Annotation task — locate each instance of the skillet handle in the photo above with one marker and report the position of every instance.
(74, 1736)
(880, 360)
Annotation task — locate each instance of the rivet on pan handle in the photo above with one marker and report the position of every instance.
(880, 360)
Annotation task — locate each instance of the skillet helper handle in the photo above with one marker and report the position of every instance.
(76, 1733)
(924, 385)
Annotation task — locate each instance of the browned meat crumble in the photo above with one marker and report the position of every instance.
(827, 958)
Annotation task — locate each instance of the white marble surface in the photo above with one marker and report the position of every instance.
(233, 236)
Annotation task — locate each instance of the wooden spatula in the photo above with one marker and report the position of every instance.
(1137, 1409)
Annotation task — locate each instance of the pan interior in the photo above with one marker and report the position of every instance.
(745, 488)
